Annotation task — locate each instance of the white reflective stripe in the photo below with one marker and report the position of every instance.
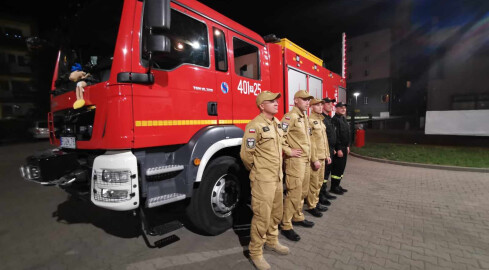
(212, 150)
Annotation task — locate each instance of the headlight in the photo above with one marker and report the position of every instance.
(114, 193)
(112, 176)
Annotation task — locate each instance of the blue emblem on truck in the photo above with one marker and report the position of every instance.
(224, 87)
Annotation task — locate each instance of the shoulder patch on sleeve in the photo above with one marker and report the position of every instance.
(252, 130)
(250, 143)
(287, 118)
(285, 126)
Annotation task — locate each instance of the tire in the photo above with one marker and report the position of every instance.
(221, 180)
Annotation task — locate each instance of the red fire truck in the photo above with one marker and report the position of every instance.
(174, 86)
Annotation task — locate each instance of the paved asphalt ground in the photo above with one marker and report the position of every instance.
(393, 217)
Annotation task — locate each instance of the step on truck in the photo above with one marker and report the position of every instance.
(173, 85)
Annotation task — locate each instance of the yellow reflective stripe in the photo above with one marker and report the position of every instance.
(325, 181)
(159, 123)
(335, 177)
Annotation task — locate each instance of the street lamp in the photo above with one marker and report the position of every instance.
(356, 94)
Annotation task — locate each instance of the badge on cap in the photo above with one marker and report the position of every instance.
(251, 130)
(265, 129)
(250, 143)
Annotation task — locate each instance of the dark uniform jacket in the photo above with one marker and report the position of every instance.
(330, 132)
(342, 132)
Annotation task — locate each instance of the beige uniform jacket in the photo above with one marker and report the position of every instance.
(261, 149)
(319, 139)
(295, 125)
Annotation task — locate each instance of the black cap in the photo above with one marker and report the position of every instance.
(340, 104)
(327, 100)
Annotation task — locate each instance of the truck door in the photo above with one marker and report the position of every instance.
(183, 98)
(247, 73)
(223, 80)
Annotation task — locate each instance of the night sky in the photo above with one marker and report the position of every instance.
(314, 25)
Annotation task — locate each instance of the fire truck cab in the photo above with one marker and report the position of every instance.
(174, 85)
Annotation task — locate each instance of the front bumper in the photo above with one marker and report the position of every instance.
(52, 167)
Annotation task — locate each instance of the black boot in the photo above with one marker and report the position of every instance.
(335, 187)
(342, 189)
(324, 195)
(329, 196)
(325, 201)
(321, 208)
(291, 235)
(315, 212)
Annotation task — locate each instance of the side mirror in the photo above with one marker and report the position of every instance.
(157, 17)
(158, 44)
(157, 14)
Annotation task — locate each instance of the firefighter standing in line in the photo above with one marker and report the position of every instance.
(342, 148)
(319, 157)
(324, 195)
(261, 152)
(297, 149)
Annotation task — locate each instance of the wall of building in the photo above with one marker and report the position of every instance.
(17, 90)
(369, 72)
(370, 99)
(369, 56)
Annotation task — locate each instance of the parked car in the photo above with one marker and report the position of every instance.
(40, 130)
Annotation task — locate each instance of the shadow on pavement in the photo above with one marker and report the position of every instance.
(121, 224)
(241, 225)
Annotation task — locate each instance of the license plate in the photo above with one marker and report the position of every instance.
(68, 142)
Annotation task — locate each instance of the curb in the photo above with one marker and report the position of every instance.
(422, 165)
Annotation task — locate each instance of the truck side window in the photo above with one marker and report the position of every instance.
(189, 43)
(246, 61)
(220, 51)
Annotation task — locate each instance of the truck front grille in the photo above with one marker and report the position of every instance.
(74, 123)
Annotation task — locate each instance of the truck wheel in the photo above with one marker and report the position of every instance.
(212, 204)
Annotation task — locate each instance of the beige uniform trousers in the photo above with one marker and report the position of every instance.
(267, 205)
(297, 183)
(315, 185)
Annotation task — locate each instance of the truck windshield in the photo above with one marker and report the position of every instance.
(88, 42)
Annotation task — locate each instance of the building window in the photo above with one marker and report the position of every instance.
(4, 85)
(220, 51)
(365, 100)
(23, 60)
(470, 102)
(12, 58)
(366, 73)
(13, 33)
(384, 98)
(246, 60)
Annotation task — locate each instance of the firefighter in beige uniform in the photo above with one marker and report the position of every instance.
(319, 157)
(261, 152)
(297, 148)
